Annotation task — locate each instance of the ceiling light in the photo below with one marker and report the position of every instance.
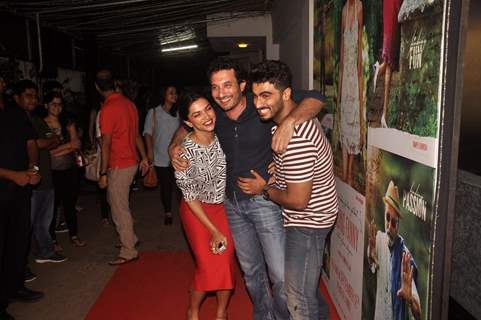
(242, 45)
(180, 48)
(176, 35)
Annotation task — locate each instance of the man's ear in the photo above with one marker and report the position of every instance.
(16, 97)
(243, 85)
(286, 94)
(97, 88)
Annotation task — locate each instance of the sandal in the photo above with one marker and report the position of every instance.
(121, 260)
(119, 245)
(77, 242)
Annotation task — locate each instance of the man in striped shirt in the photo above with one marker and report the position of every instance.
(304, 185)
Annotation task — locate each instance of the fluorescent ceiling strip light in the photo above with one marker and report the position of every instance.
(180, 48)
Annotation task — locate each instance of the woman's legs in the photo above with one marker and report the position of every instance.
(166, 182)
(387, 89)
(223, 298)
(66, 191)
(196, 298)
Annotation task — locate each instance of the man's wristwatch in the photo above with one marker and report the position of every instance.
(35, 168)
(265, 192)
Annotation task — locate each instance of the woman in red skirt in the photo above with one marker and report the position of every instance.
(202, 210)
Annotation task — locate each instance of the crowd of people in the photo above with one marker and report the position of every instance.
(253, 166)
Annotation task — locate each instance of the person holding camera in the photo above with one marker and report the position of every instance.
(202, 210)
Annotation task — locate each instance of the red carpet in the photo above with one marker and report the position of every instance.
(156, 287)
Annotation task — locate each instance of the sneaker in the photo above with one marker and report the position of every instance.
(29, 275)
(55, 258)
(61, 228)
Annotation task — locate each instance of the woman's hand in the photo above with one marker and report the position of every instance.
(216, 242)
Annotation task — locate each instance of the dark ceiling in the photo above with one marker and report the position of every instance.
(137, 27)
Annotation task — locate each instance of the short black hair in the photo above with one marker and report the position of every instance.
(22, 85)
(272, 71)
(105, 80)
(185, 101)
(224, 63)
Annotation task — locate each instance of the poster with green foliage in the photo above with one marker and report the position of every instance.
(379, 62)
(399, 215)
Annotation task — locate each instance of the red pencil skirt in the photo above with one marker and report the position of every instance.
(212, 271)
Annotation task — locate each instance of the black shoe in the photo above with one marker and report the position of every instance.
(55, 258)
(29, 275)
(168, 220)
(61, 228)
(4, 315)
(27, 295)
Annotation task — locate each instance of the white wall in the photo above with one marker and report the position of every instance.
(292, 29)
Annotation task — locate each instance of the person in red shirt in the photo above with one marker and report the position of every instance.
(119, 161)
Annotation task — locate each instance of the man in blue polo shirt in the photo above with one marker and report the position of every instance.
(256, 223)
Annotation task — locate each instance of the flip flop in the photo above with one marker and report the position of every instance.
(121, 260)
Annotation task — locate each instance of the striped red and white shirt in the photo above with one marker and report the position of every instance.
(308, 157)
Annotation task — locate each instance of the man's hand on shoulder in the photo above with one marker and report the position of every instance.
(283, 135)
(178, 162)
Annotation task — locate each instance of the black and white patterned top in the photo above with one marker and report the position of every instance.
(204, 180)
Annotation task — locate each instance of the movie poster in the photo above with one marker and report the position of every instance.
(378, 62)
(397, 240)
(343, 268)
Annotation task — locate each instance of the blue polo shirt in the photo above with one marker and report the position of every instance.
(247, 142)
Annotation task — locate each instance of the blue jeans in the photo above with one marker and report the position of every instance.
(304, 250)
(259, 238)
(41, 214)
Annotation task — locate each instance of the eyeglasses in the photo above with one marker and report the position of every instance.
(392, 221)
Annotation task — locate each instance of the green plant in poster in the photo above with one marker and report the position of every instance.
(415, 185)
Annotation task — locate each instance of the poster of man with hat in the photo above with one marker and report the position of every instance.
(397, 232)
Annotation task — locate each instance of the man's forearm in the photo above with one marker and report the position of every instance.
(178, 137)
(32, 152)
(286, 199)
(6, 174)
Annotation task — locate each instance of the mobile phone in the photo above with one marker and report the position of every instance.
(221, 247)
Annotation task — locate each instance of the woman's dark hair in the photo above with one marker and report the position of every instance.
(185, 101)
(64, 118)
(163, 93)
